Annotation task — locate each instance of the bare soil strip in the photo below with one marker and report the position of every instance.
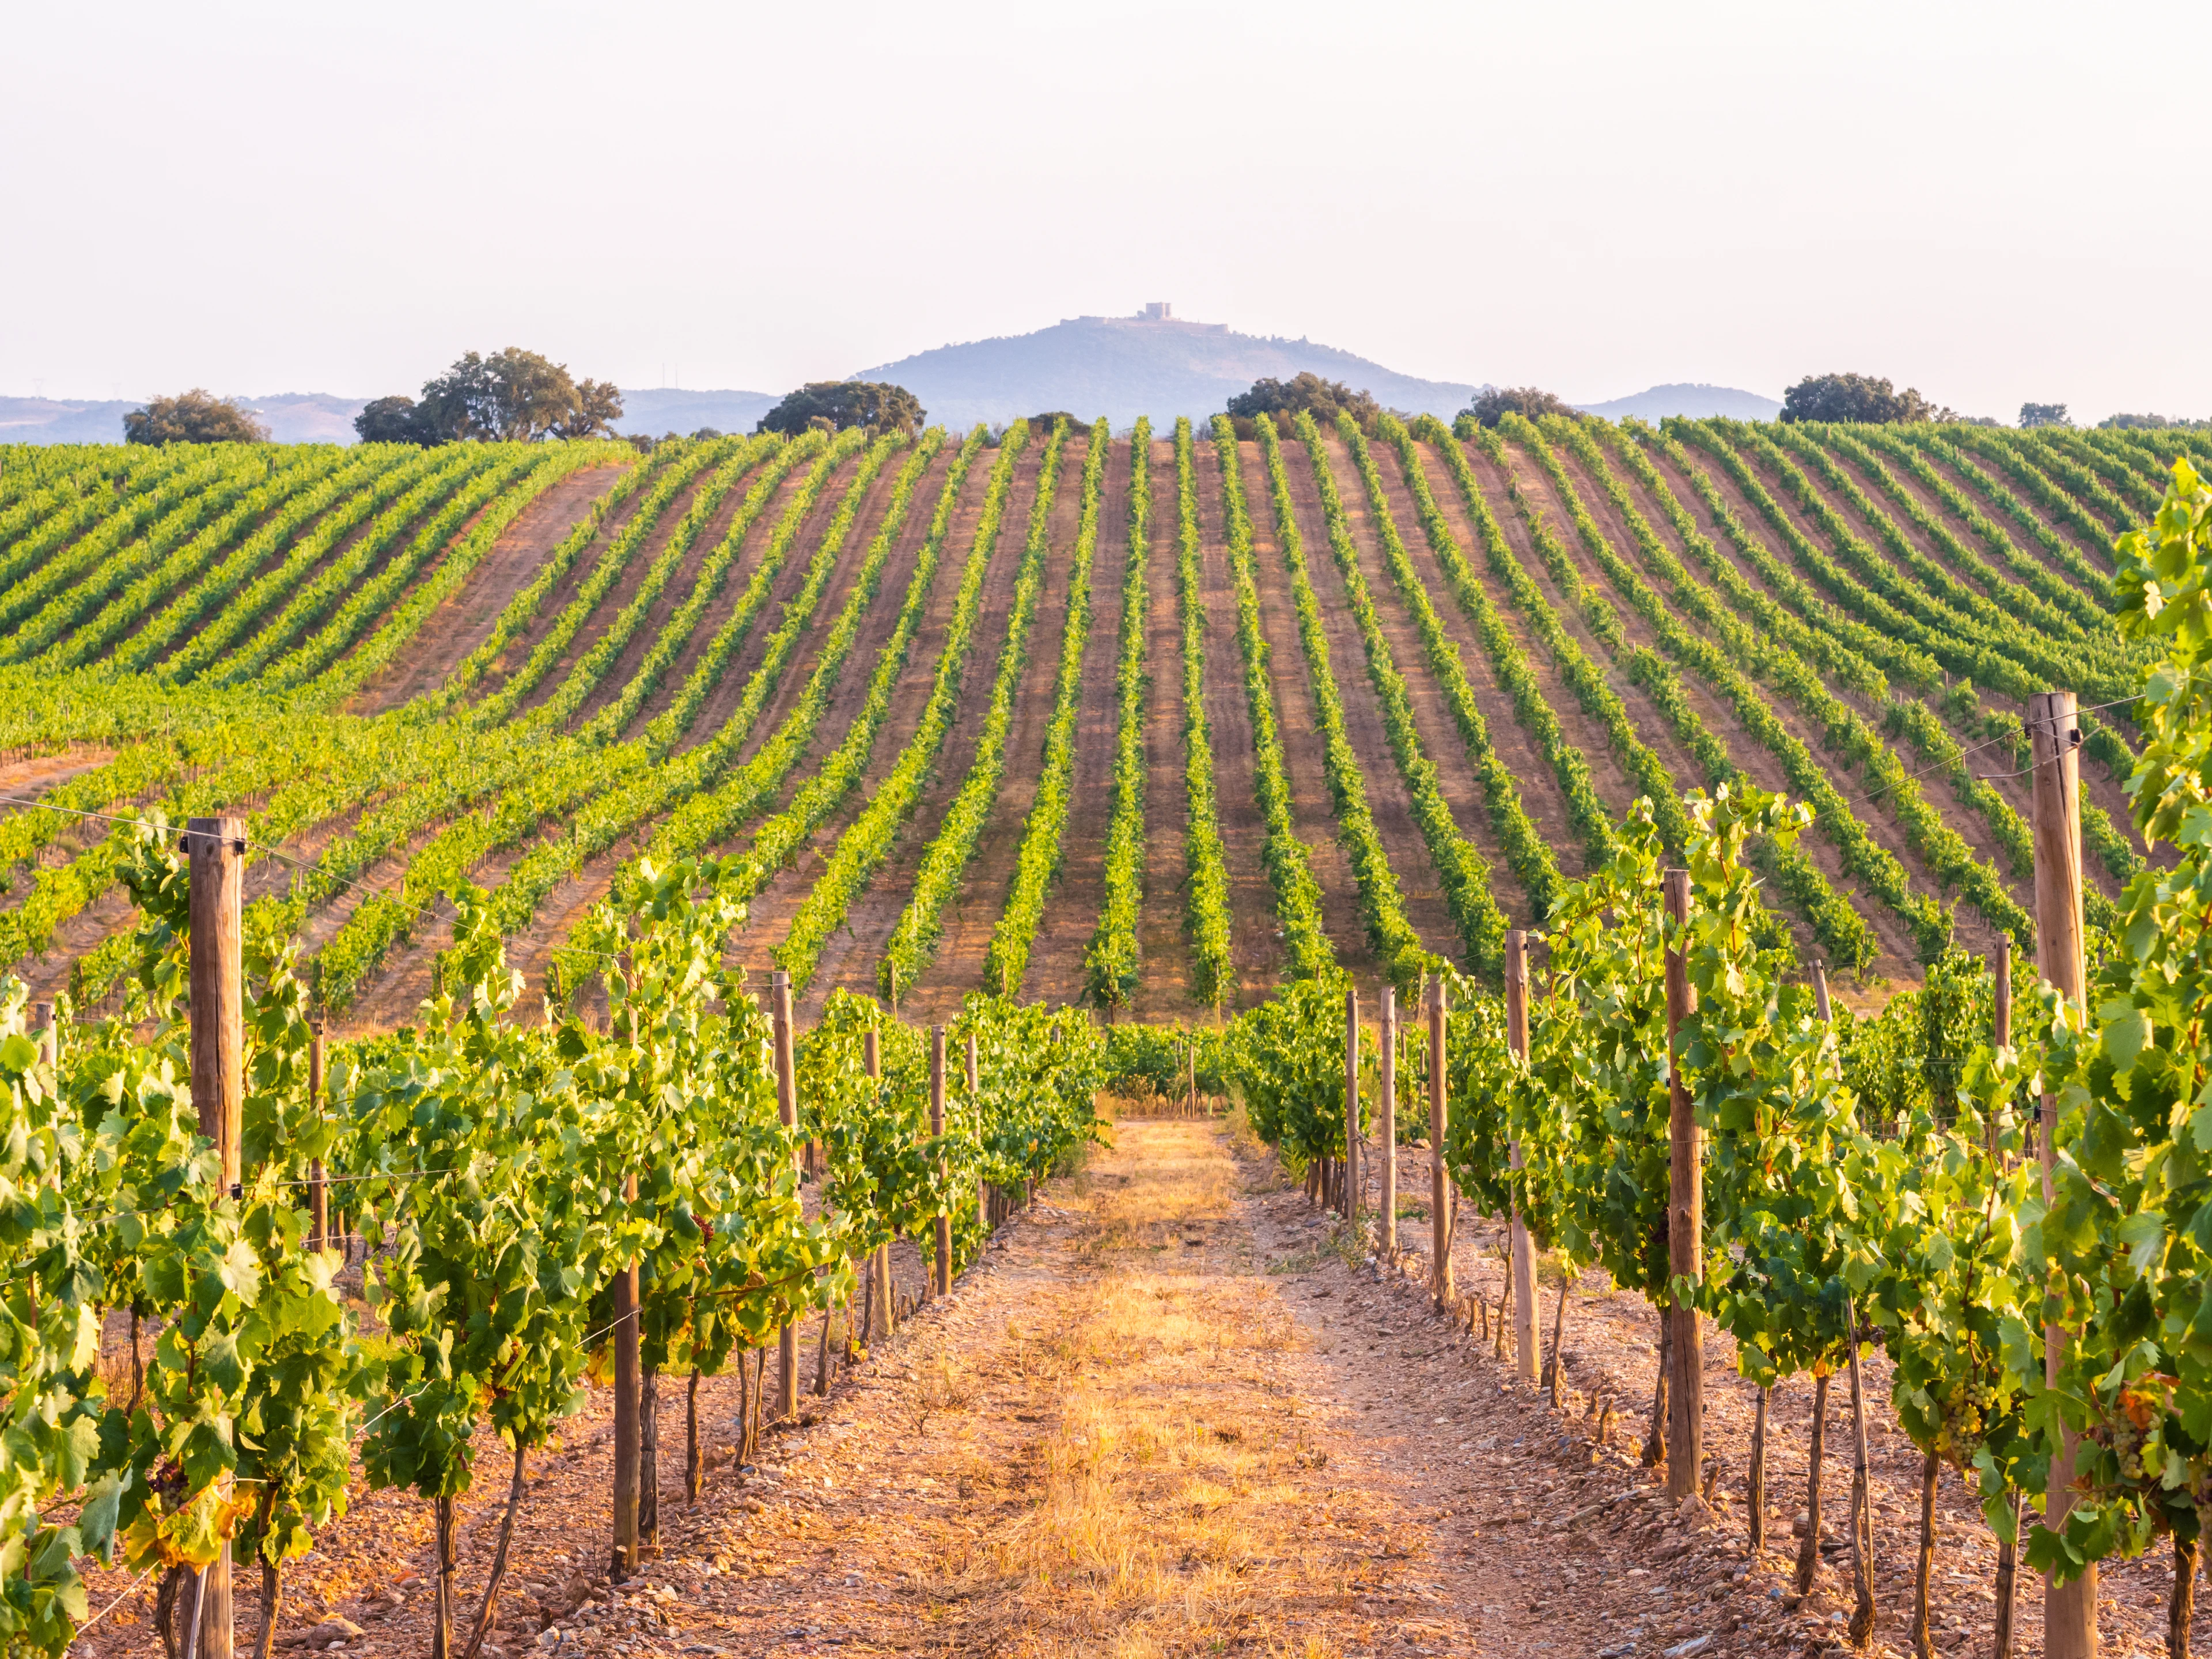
(1897, 949)
(1162, 941)
(850, 960)
(1440, 736)
(678, 588)
(613, 602)
(769, 920)
(1070, 911)
(2023, 535)
(1254, 941)
(1612, 785)
(1540, 796)
(1387, 799)
(1974, 932)
(1304, 753)
(875, 626)
(972, 915)
(466, 620)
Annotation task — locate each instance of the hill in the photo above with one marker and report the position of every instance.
(294, 417)
(1125, 367)
(1697, 400)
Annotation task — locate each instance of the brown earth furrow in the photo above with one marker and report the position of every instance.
(1611, 785)
(1163, 987)
(1419, 889)
(1975, 933)
(849, 960)
(1880, 822)
(337, 550)
(1071, 907)
(1539, 789)
(466, 620)
(557, 598)
(1886, 500)
(532, 951)
(875, 626)
(679, 587)
(1644, 718)
(769, 915)
(2023, 534)
(155, 606)
(613, 602)
(1432, 720)
(971, 917)
(1255, 939)
(1313, 813)
(1759, 764)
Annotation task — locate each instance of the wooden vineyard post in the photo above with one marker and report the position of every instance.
(1440, 1230)
(1352, 1172)
(319, 1192)
(886, 1318)
(50, 1035)
(1862, 1625)
(2070, 1611)
(1686, 1393)
(891, 974)
(215, 858)
(1525, 1340)
(627, 1426)
(1386, 1111)
(983, 1188)
(942, 1273)
(787, 1108)
(2007, 1581)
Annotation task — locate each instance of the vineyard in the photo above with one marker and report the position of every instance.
(492, 933)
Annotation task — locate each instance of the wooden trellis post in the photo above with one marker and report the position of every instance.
(1440, 1229)
(787, 1108)
(886, 1319)
(215, 858)
(1686, 1398)
(2070, 1611)
(319, 1192)
(1352, 1172)
(1386, 1108)
(942, 1273)
(1526, 1343)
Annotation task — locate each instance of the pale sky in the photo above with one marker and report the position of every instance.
(1993, 202)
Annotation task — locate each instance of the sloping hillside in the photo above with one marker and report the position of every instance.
(1694, 401)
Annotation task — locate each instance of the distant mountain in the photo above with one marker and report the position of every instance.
(1125, 367)
(294, 417)
(1662, 401)
(665, 409)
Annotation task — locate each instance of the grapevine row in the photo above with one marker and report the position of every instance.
(944, 866)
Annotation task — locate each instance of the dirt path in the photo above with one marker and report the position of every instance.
(1172, 1411)
(1071, 907)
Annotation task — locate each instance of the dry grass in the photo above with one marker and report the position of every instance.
(1167, 1510)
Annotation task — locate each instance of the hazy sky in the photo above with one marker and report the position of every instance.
(1991, 202)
